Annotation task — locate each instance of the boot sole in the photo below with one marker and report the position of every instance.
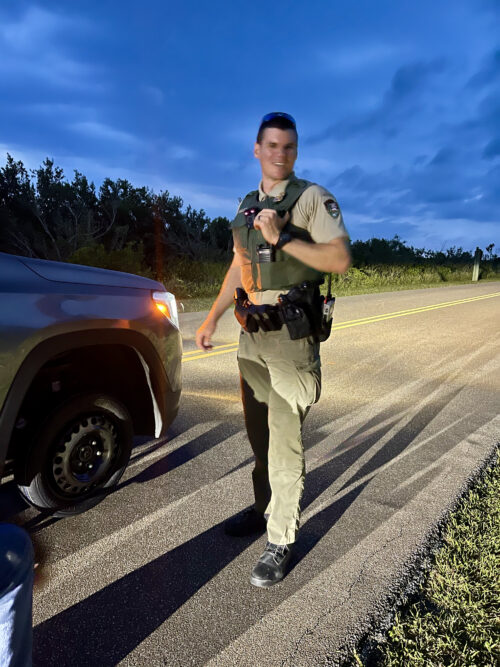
(264, 583)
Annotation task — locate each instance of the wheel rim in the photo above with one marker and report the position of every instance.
(84, 456)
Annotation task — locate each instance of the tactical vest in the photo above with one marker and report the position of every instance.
(285, 271)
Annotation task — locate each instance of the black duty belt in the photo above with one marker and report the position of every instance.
(301, 310)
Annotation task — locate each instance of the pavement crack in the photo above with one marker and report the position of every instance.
(311, 630)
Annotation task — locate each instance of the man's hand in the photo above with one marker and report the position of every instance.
(270, 224)
(223, 301)
(205, 333)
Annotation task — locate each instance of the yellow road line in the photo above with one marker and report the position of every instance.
(232, 398)
(232, 347)
(412, 311)
(204, 355)
(216, 347)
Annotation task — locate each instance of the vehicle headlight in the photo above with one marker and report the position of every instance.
(167, 305)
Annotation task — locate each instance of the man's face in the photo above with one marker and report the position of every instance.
(277, 153)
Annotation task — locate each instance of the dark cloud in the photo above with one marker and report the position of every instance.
(492, 149)
(445, 155)
(480, 132)
(439, 189)
(451, 182)
(400, 101)
(412, 78)
(490, 6)
(489, 73)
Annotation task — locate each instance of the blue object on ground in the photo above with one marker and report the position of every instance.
(16, 591)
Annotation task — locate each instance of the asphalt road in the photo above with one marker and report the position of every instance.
(409, 410)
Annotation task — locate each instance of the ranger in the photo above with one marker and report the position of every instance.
(287, 235)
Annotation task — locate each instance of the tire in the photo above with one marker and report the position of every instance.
(79, 453)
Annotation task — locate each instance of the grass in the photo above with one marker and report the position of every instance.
(196, 284)
(455, 620)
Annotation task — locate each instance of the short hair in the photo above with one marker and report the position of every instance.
(279, 120)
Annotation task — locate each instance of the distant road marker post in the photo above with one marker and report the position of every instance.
(475, 271)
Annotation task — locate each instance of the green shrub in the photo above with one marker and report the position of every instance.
(191, 280)
(129, 259)
(200, 281)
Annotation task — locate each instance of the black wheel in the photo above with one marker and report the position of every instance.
(80, 451)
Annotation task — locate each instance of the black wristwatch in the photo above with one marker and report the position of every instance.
(283, 239)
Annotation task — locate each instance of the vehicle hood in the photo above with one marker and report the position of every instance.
(62, 272)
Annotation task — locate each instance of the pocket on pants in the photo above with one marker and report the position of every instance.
(303, 352)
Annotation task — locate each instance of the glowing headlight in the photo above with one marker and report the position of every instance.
(166, 304)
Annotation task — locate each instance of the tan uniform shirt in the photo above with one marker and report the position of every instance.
(309, 212)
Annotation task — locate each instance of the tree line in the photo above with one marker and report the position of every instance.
(44, 215)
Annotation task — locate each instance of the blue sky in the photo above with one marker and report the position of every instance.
(397, 102)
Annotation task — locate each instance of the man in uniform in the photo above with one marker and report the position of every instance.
(287, 235)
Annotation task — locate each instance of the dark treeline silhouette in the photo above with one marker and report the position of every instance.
(44, 215)
(395, 251)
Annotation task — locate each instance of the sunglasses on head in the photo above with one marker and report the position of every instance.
(278, 114)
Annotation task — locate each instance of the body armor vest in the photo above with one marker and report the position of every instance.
(284, 271)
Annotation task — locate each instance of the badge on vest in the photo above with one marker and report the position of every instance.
(332, 208)
(279, 197)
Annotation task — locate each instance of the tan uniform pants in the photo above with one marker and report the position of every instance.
(280, 380)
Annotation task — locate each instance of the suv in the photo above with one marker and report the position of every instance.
(88, 358)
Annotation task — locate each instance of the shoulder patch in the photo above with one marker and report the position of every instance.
(332, 208)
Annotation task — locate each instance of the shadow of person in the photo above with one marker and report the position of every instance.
(122, 615)
(183, 454)
(119, 617)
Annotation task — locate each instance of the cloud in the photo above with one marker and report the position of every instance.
(411, 79)
(104, 132)
(402, 100)
(445, 188)
(492, 149)
(215, 200)
(490, 6)
(181, 153)
(33, 30)
(355, 58)
(429, 233)
(153, 94)
(480, 130)
(59, 109)
(31, 159)
(438, 175)
(488, 74)
(30, 47)
(437, 233)
(444, 155)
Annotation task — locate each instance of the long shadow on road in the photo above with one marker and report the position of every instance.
(183, 454)
(105, 627)
(144, 599)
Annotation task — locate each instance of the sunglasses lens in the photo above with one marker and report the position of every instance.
(277, 114)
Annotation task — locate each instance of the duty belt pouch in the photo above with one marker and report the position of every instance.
(252, 317)
(296, 321)
(268, 317)
(295, 313)
(242, 312)
(325, 328)
(327, 306)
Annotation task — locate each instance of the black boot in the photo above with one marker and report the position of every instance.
(248, 522)
(272, 565)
